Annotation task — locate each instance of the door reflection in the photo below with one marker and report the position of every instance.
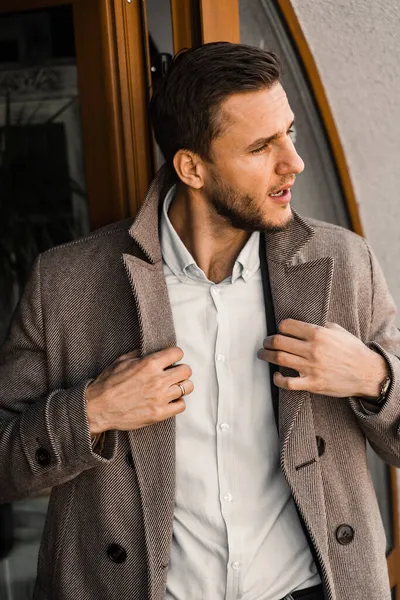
(42, 204)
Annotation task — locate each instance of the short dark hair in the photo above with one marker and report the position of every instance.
(184, 107)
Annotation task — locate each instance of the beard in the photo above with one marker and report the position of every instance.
(241, 211)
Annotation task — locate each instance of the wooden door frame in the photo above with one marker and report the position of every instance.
(113, 98)
(220, 22)
(182, 24)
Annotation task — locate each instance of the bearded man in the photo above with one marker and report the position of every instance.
(197, 386)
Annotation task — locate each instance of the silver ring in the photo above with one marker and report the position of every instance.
(182, 389)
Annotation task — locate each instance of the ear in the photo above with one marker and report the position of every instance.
(189, 168)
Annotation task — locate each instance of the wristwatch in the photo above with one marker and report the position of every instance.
(383, 392)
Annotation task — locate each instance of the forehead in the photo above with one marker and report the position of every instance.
(261, 113)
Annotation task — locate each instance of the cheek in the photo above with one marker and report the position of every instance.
(250, 175)
(249, 168)
(257, 168)
(256, 177)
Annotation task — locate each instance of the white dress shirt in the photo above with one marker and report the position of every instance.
(236, 533)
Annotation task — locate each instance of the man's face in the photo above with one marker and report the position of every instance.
(253, 159)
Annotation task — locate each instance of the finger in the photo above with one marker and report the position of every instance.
(297, 329)
(166, 358)
(175, 408)
(174, 391)
(286, 344)
(283, 359)
(178, 373)
(291, 383)
(169, 410)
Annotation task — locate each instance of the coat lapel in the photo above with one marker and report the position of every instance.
(153, 447)
(300, 290)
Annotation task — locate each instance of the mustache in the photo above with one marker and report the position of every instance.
(284, 181)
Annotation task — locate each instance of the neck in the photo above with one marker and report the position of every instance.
(213, 243)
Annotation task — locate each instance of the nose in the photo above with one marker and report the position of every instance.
(289, 161)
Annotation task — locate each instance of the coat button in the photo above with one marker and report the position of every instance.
(320, 445)
(43, 457)
(129, 460)
(345, 534)
(116, 553)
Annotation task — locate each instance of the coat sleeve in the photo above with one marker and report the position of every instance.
(383, 428)
(44, 434)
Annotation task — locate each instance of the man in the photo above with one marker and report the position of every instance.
(136, 383)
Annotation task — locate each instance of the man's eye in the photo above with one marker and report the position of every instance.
(292, 133)
(259, 150)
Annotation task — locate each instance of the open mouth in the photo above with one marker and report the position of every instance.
(284, 193)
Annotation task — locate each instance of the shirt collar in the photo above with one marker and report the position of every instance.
(181, 262)
(248, 261)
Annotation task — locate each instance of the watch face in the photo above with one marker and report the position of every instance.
(384, 389)
(385, 385)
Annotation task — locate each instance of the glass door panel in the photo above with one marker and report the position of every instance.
(42, 180)
(160, 49)
(42, 203)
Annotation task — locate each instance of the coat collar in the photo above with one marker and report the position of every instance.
(281, 246)
(144, 229)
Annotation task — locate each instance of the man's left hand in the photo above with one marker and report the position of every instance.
(330, 360)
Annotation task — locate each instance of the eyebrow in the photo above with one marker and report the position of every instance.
(264, 141)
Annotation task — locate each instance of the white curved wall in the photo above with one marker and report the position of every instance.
(356, 45)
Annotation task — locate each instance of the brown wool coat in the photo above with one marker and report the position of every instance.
(92, 300)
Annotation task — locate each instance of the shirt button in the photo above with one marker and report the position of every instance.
(236, 565)
(224, 426)
(220, 358)
(228, 497)
(215, 291)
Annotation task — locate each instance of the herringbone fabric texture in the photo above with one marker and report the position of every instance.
(91, 301)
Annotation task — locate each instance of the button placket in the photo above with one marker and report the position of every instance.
(224, 443)
(214, 292)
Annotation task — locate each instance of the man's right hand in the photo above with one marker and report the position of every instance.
(134, 392)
